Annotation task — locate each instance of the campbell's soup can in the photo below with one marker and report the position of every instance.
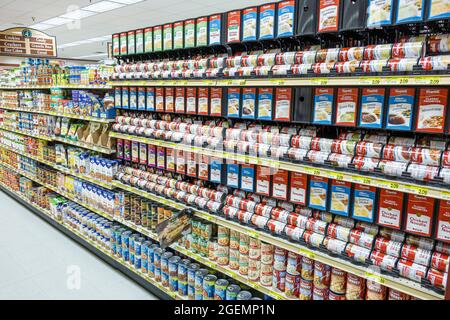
(294, 263)
(321, 275)
(338, 281)
(416, 255)
(355, 287)
(292, 286)
(279, 280)
(333, 296)
(306, 288)
(411, 270)
(440, 261)
(437, 278)
(266, 274)
(387, 246)
(397, 295)
(320, 293)
(375, 291)
(267, 251)
(307, 271)
(279, 259)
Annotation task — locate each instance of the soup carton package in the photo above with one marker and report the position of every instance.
(203, 167)
(391, 207)
(139, 41)
(293, 104)
(189, 33)
(125, 98)
(380, 13)
(267, 21)
(133, 98)
(265, 103)
(123, 44)
(318, 192)
(118, 97)
(168, 36)
(248, 106)
(217, 101)
(248, 177)
(340, 200)
(287, 18)
(217, 170)
(180, 99)
(233, 102)
(180, 162)
(400, 110)
(203, 101)
(150, 99)
(151, 155)
(217, 29)
(159, 99)
(169, 97)
(263, 180)
(410, 11)
(432, 110)
(324, 100)
(201, 31)
(191, 164)
(280, 184)
(443, 221)
(157, 39)
(131, 37)
(148, 40)
(372, 108)
(250, 24)
(116, 44)
(329, 16)
(161, 157)
(419, 215)
(141, 102)
(438, 10)
(143, 153)
(191, 100)
(298, 188)
(364, 203)
(170, 160)
(347, 103)
(233, 174)
(233, 27)
(178, 35)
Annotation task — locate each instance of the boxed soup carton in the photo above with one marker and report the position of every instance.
(233, 26)
(267, 21)
(250, 24)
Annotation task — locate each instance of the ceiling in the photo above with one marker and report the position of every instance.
(14, 13)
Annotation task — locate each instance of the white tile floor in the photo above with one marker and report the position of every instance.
(36, 261)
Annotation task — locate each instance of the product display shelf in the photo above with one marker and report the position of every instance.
(411, 80)
(67, 86)
(365, 179)
(205, 261)
(400, 284)
(103, 184)
(57, 190)
(64, 115)
(144, 280)
(84, 145)
(37, 136)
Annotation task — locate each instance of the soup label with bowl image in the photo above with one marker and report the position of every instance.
(410, 10)
(323, 105)
(340, 197)
(280, 184)
(233, 102)
(443, 221)
(283, 101)
(216, 102)
(189, 33)
(439, 9)
(248, 177)
(364, 203)
(202, 31)
(178, 35)
(215, 29)
(168, 36)
(347, 102)
(157, 38)
(390, 213)
(286, 12)
(419, 215)
(234, 26)
(318, 193)
(328, 15)
(249, 23)
(148, 39)
(400, 108)
(432, 110)
(233, 175)
(248, 103)
(263, 180)
(299, 187)
(379, 13)
(265, 103)
(372, 105)
(267, 21)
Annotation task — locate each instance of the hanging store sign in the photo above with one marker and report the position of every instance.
(27, 42)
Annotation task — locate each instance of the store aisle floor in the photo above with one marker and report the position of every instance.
(39, 262)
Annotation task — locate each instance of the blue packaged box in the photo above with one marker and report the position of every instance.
(340, 197)
(318, 193)
(248, 177)
(364, 203)
(372, 108)
(141, 101)
(233, 175)
(400, 111)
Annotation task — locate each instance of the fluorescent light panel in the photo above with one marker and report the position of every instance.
(103, 6)
(78, 14)
(127, 1)
(57, 21)
(41, 26)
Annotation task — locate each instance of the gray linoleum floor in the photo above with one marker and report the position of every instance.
(39, 262)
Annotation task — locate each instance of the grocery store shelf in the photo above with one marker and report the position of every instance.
(68, 86)
(58, 114)
(142, 279)
(385, 183)
(211, 264)
(400, 284)
(411, 80)
(24, 133)
(103, 184)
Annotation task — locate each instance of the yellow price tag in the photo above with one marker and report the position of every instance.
(307, 253)
(394, 185)
(374, 277)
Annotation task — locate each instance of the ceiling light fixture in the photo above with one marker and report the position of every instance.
(78, 14)
(103, 6)
(57, 21)
(41, 26)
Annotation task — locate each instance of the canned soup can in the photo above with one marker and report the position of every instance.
(220, 289)
(232, 292)
(209, 282)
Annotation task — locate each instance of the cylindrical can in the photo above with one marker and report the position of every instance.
(307, 271)
(266, 274)
(208, 286)
(387, 246)
(254, 270)
(232, 292)
(338, 281)
(244, 295)
(173, 273)
(243, 264)
(437, 278)
(355, 287)
(320, 293)
(234, 239)
(165, 268)
(279, 279)
(192, 269)
(151, 259)
(292, 289)
(411, 270)
(321, 275)
(416, 255)
(199, 277)
(332, 296)
(397, 295)
(244, 244)
(222, 255)
(234, 259)
(223, 236)
(183, 277)
(294, 263)
(375, 291)
(440, 261)
(267, 253)
(279, 259)
(305, 289)
(220, 289)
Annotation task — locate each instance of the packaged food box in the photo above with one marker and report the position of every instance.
(233, 174)
(432, 110)
(168, 36)
(141, 101)
(116, 44)
(169, 99)
(189, 33)
(323, 105)
(391, 207)
(400, 110)
(131, 38)
(233, 102)
(298, 188)
(203, 101)
(217, 170)
(364, 203)
(380, 13)
(248, 106)
(180, 99)
(148, 40)
(419, 215)
(438, 10)
(217, 29)
(265, 103)
(191, 164)
(248, 177)
(217, 101)
(353, 15)
(178, 35)
(180, 161)
(410, 11)
(234, 30)
(118, 97)
(157, 39)
(150, 99)
(347, 106)
(307, 17)
(372, 108)
(263, 180)
(443, 221)
(170, 160)
(139, 34)
(143, 153)
(125, 98)
(123, 44)
(201, 31)
(280, 184)
(340, 200)
(267, 21)
(203, 167)
(250, 24)
(329, 11)
(161, 157)
(287, 18)
(159, 99)
(191, 100)
(318, 193)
